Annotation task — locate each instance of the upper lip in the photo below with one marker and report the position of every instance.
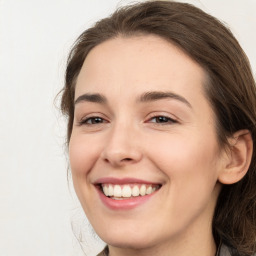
(113, 180)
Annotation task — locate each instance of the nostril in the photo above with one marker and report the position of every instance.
(126, 159)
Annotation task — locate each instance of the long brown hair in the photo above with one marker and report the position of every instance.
(230, 90)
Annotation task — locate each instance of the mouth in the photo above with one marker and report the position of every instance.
(128, 191)
(125, 193)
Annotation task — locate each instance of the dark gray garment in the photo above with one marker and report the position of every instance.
(222, 251)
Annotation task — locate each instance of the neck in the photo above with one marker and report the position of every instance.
(202, 245)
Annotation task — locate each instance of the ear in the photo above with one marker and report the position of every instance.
(238, 157)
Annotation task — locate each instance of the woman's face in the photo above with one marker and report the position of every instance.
(144, 131)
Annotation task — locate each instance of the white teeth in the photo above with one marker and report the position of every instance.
(135, 191)
(127, 191)
(143, 190)
(117, 191)
(110, 190)
(149, 190)
(105, 190)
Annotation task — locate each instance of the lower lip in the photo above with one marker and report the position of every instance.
(124, 204)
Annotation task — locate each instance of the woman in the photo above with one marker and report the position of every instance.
(161, 108)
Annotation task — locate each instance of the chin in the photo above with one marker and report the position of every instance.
(126, 239)
(135, 241)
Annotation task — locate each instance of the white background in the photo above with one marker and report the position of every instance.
(37, 208)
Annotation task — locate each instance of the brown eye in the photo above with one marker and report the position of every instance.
(93, 120)
(162, 119)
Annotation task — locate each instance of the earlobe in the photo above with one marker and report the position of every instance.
(238, 158)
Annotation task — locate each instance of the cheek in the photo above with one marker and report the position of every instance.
(192, 149)
(82, 159)
(82, 155)
(191, 170)
(189, 163)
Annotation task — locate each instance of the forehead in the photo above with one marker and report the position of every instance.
(133, 65)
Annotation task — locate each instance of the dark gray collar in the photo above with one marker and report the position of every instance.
(223, 251)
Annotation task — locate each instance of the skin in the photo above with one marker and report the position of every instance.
(181, 153)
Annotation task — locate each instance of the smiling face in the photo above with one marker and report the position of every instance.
(145, 133)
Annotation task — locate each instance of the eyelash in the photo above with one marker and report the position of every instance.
(162, 120)
(159, 119)
(91, 121)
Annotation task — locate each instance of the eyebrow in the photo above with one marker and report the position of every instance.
(155, 95)
(91, 97)
(145, 97)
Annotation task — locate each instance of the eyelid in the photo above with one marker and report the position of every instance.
(85, 120)
(82, 121)
(172, 118)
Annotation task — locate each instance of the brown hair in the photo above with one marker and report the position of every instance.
(230, 90)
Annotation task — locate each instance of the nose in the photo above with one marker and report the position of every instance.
(122, 146)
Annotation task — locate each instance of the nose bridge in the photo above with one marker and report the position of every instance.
(122, 145)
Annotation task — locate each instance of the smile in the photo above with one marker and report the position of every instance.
(127, 191)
